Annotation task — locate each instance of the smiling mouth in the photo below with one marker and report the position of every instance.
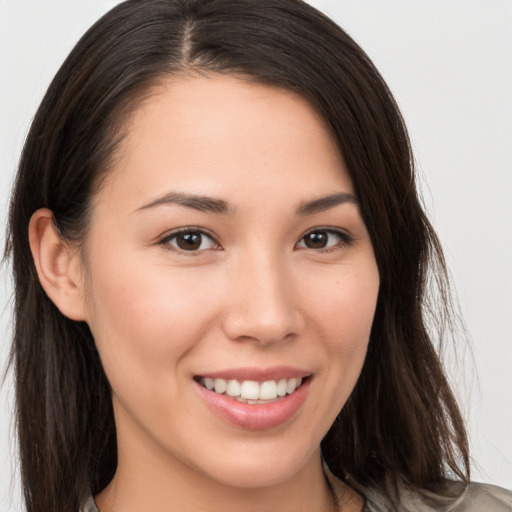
(250, 391)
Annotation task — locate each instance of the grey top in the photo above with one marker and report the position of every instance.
(473, 498)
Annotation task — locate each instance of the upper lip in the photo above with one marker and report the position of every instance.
(257, 374)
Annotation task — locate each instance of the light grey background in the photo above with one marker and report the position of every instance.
(449, 64)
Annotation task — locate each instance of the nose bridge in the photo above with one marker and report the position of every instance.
(261, 298)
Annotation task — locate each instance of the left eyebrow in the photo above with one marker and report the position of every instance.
(325, 203)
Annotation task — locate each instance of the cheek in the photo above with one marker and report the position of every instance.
(145, 319)
(343, 316)
(344, 309)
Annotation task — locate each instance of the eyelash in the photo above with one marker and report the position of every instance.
(344, 240)
(165, 240)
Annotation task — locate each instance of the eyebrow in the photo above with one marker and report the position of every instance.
(325, 203)
(208, 204)
(202, 203)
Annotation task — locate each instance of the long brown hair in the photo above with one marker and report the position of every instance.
(401, 422)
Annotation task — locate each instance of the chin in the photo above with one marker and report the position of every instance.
(259, 466)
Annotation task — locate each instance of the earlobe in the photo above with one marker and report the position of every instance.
(58, 265)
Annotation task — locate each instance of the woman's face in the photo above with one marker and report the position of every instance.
(227, 249)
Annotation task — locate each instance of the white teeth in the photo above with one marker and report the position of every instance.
(281, 387)
(250, 390)
(220, 386)
(233, 388)
(268, 390)
(291, 386)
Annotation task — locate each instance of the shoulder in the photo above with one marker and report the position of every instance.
(478, 497)
(457, 497)
(474, 497)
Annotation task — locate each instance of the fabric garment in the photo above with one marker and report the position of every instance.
(457, 497)
(90, 506)
(473, 498)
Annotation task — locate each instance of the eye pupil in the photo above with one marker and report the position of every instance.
(316, 240)
(189, 241)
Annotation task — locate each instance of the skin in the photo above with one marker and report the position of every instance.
(254, 294)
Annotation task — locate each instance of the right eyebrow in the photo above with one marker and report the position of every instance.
(202, 203)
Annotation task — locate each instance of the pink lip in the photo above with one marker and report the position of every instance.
(258, 374)
(256, 416)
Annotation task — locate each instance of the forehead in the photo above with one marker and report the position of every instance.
(221, 135)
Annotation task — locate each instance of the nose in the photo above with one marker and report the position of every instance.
(262, 303)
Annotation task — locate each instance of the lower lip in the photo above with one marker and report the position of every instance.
(256, 416)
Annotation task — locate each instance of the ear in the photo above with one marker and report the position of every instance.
(58, 265)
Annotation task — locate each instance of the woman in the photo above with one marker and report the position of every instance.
(227, 261)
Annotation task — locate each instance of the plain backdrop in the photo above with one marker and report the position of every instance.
(449, 65)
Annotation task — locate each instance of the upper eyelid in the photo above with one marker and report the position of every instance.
(187, 229)
(345, 239)
(328, 229)
(164, 242)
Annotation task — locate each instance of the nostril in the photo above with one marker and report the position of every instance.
(263, 330)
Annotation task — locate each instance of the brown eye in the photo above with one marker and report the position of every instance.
(316, 240)
(324, 239)
(191, 241)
